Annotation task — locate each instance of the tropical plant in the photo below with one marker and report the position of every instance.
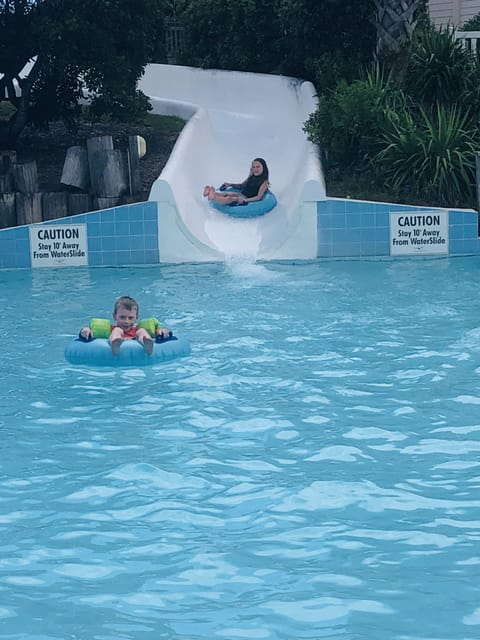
(441, 70)
(430, 155)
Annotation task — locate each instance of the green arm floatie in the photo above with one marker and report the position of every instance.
(100, 327)
(151, 325)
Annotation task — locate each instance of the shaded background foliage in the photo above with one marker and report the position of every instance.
(376, 118)
(243, 35)
(290, 37)
(96, 45)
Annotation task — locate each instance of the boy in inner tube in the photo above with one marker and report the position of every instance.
(125, 315)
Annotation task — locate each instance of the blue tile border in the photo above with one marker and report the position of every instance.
(346, 228)
(119, 236)
(357, 228)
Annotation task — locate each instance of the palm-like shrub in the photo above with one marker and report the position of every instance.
(440, 70)
(431, 156)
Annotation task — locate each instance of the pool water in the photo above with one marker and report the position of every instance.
(312, 470)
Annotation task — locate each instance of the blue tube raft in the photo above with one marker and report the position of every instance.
(98, 353)
(249, 209)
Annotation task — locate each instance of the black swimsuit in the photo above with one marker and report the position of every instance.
(252, 185)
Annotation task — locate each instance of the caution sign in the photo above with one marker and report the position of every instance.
(63, 245)
(418, 232)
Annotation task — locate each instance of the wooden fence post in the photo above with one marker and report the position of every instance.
(8, 217)
(29, 208)
(54, 205)
(26, 177)
(79, 203)
(75, 168)
(136, 150)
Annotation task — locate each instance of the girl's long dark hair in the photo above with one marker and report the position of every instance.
(264, 174)
(253, 183)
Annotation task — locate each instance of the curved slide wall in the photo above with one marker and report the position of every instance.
(232, 118)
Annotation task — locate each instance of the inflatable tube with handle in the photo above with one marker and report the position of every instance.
(249, 209)
(98, 353)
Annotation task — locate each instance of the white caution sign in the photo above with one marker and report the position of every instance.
(63, 245)
(418, 232)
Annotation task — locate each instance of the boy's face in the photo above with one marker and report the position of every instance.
(125, 318)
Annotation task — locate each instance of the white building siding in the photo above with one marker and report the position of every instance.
(454, 12)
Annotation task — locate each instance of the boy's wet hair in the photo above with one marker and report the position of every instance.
(127, 302)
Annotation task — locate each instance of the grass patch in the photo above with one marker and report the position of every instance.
(165, 124)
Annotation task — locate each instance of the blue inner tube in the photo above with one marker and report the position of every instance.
(250, 209)
(98, 353)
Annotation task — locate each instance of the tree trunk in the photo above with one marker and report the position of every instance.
(10, 131)
(395, 21)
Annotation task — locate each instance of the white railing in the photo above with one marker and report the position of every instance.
(470, 40)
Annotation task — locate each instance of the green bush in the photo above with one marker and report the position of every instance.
(472, 25)
(330, 68)
(349, 122)
(430, 155)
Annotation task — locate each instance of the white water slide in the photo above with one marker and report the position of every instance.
(234, 117)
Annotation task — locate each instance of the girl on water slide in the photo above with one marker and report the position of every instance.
(252, 189)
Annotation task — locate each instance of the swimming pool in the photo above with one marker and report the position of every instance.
(310, 471)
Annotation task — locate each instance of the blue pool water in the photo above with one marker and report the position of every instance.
(312, 470)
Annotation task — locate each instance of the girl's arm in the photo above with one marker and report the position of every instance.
(235, 185)
(260, 194)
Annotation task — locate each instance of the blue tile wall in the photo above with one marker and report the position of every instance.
(120, 236)
(361, 229)
(128, 235)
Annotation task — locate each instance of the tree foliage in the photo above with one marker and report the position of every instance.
(94, 47)
(232, 34)
(313, 28)
(278, 36)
